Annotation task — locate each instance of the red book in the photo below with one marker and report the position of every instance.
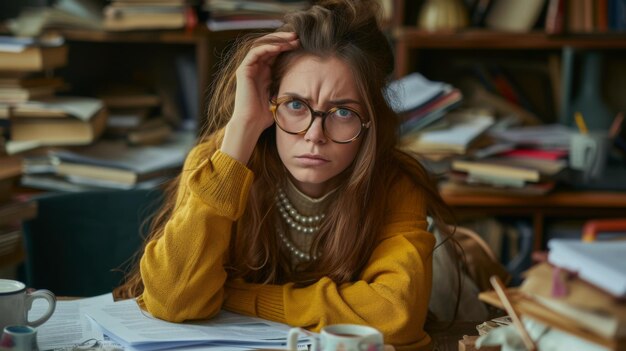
(552, 155)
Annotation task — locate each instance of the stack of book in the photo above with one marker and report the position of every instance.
(523, 161)
(13, 210)
(133, 117)
(579, 291)
(124, 15)
(420, 102)
(108, 164)
(454, 135)
(22, 65)
(29, 111)
(502, 175)
(62, 120)
(249, 14)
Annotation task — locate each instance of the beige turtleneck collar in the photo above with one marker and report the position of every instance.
(306, 206)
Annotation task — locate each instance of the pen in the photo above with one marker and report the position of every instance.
(616, 125)
(580, 122)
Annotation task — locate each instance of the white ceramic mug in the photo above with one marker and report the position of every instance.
(16, 301)
(340, 337)
(19, 338)
(588, 153)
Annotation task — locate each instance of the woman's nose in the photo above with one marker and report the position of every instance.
(315, 133)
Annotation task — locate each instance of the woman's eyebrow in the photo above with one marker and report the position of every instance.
(332, 102)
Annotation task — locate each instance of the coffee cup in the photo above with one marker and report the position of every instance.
(339, 337)
(19, 338)
(588, 153)
(16, 301)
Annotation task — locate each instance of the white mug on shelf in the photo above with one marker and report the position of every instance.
(589, 153)
(16, 301)
(339, 337)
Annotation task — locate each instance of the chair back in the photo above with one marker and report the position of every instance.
(81, 243)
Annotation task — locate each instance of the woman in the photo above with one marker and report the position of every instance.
(296, 206)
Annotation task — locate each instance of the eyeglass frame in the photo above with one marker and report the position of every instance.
(314, 114)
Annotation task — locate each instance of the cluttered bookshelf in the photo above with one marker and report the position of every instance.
(99, 95)
(522, 72)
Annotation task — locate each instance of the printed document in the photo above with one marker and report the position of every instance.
(135, 329)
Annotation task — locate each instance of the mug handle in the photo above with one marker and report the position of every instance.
(292, 339)
(40, 294)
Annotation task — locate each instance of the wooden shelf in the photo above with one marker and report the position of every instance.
(410, 40)
(566, 204)
(198, 35)
(565, 199)
(488, 39)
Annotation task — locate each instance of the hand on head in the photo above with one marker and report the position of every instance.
(251, 113)
(254, 78)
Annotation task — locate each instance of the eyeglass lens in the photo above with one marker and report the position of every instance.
(340, 124)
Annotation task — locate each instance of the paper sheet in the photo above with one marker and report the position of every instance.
(68, 325)
(135, 329)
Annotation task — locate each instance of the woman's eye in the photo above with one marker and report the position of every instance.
(344, 113)
(295, 105)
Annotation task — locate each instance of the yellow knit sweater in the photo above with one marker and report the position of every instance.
(184, 277)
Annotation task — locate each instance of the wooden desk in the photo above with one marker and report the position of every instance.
(566, 204)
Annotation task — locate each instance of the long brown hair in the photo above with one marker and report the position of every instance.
(349, 31)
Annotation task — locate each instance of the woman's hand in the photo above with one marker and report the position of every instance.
(251, 115)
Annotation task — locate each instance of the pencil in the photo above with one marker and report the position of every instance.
(499, 288)
(580, 122)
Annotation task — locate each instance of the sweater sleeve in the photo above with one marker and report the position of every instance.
(182, 270)
(392, 294)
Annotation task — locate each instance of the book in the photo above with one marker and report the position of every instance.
(458, 184)
(412, 91)
(30, 81)
(530, 307)
(34, 58)
(463, 130)
(431, 111)
(239, 23)
(590, 306)
(116, 162)
(16, 95)
(61, 14)
(82, 108)
(555, 17)
(59, 131)
(150, 134)
(600, 263)
(489, 169)
(142, 17)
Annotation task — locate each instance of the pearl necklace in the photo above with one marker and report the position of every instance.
(297, 221)
(292, 247)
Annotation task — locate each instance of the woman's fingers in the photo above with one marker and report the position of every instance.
(271, 45)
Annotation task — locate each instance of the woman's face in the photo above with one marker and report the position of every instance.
(312, 159)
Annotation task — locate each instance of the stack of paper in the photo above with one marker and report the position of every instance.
(100, 322)
(133, 328)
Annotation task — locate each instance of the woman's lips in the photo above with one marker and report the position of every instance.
(312, 160)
